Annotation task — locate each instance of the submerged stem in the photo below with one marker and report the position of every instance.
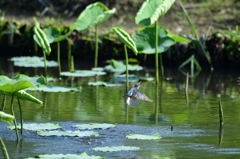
(4, 149)
(15, 121)
(59, 57)
(156, 52)
(21, 116)
(126, 58)
(96, 47)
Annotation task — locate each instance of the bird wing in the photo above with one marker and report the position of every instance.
(141, 96)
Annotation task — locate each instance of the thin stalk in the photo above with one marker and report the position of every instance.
(69, 54)
(192, 66)
(126, 58)
(221, 117)
(45, 65)
(186, 89)
(72, 68)
(3, 102)
(15, 121)
(59, 57)
(96, 46)
(21, 116)
(4, 149)
(156, 53)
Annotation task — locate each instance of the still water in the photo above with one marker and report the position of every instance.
(188, 129)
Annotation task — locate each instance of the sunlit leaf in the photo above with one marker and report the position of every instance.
(151, 10)
(105, 84)
(54, 35)
(66, 156)
(83, 73)
(32, 61)
(144, 137)
(55, 89)
(6, 117)
(37, 126)
(92, 15)
(94, 126)
(67, 133)
(116, 148)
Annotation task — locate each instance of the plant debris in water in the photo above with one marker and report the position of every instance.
(66, 156)
(106, 84)
(32, 61)
(83, 73)
(94, 126)
(119, 66)
(116, 148)
(67, 133)
(37, 126)
(55, 89)
(144, 137)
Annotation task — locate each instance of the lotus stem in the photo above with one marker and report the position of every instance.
(21, 116)
(72, 68)
(4, 149)
(126, 58)
(3, 102)
(96, 47)
(69, 54)
(35, 47)
(192, 66)
(156, 53)
(14, 121)
(59, 57)
(186, 89)
(45, 65)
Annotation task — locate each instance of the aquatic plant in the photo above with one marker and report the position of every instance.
(93, 15)
(127, 40)
(41, 39)
(149, 14)
(15, 88)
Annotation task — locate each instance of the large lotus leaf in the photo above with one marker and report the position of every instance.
(66, 156)
(37, 126)
(144, 137)
(41, 39)
(116, 148)
(54, 34)
(119, 66)
(32, 61)
(36, 80)
(55, 89)
(13, 85)
(177, 38)
(94, 14)
(94, 126)
(146, 41)
(6, 117)
(67, 133)
(126, 39)
(26, 96)
(151, 10)
(105, 84)
(83, 73)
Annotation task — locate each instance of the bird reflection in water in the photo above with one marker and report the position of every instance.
(134, 96)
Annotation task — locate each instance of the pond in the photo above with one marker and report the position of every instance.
(188, 130)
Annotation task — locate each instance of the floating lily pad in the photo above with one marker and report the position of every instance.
(106, 84)
(38, 126)
(67, 133)
(122, 78)
(55, 89)
(144, 137)
(83, 73)
(119, 66)
(32, 61)
(66, 156)
(94, 126)
(116, 148)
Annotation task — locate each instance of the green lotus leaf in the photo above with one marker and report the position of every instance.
(151, 10)
(147, 79)
(94, 126)
(144, 137)
(83, 73)
(55, 89)
(32, 61)
(125, 38)
(119, 66)
(105, 84)
(66, 156)
(37, 126)
(92, 15)
(68, 133)
(54, 34)
(13, 85)
(6, 117)
(146, 41)
(36, 80)
(116, 148)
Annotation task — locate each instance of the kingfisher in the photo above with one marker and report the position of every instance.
(134, 96)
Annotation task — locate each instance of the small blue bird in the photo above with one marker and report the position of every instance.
(134, 96)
